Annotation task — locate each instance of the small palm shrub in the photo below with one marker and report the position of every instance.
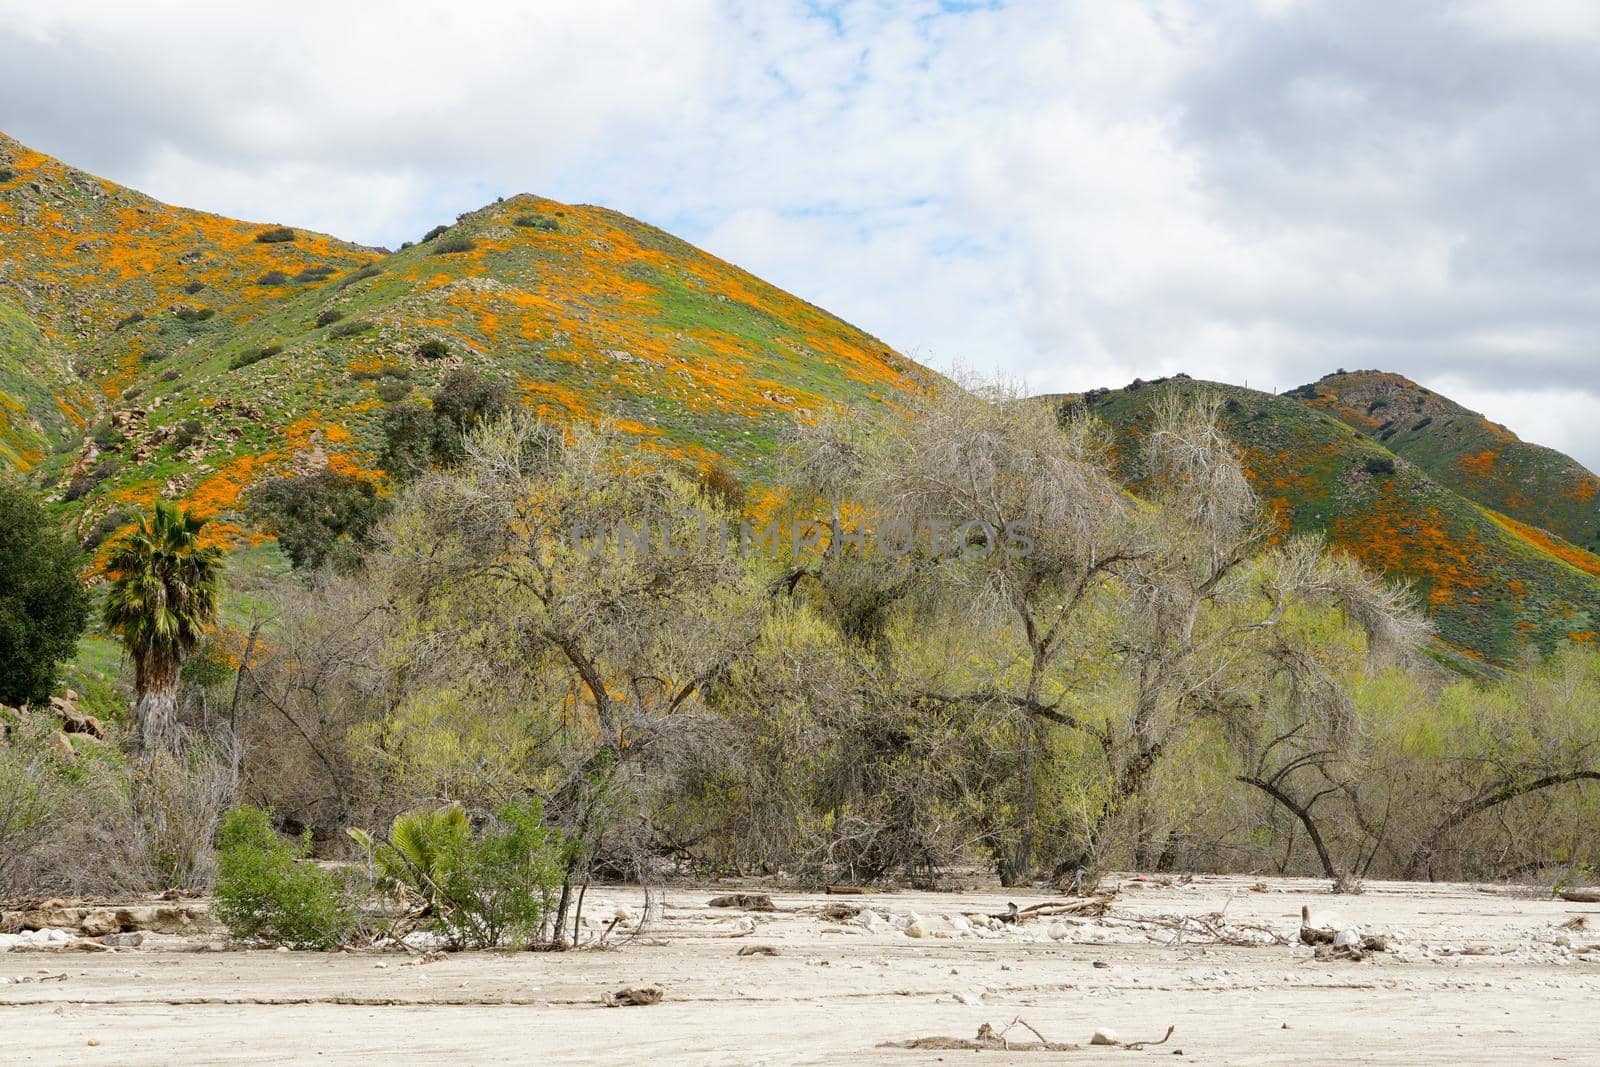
(476, 890)
(276, 236)
(267, 891)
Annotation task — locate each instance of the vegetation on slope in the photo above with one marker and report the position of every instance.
(1492, 588)
(223, 352)
(1465, 452)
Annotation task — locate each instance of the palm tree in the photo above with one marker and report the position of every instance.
(164, 592)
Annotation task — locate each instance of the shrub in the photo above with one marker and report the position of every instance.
(314, 273)
(267, 891)
(43, 603)
(194, 287)
(154, 355)
(273, 277)
(171, 375)
(454, 245)
(176, 803)
(106, 435)
(350, 327)
(84, 482)
(317, 515)
(392, 389)
(1379, 465)
(464, 400)
(480, 891)
(538, 222)
(276, 236)
(104, 527)
(433, 349)
(32, 802)
(130, 320)
(6, 174)
(408, 439)
(255, 355)
(360, 276)
(188, 432)
(329, 317)
(435, 232)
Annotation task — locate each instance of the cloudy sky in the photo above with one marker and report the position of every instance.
(1070, 193)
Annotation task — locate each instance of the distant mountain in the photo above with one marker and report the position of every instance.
(1495, 585)
(147, 349)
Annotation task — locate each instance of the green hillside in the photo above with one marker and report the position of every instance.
(1464, 451)
(149, 350)
(1492, 585)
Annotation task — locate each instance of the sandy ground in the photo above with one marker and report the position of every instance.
(1475, 975)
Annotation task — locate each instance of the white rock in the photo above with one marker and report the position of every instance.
(1346, 938)
(916, 929)
(971, 1000)
(1059, 932)
(1105, 1036)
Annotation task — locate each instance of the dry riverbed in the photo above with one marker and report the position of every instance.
(1469, 975)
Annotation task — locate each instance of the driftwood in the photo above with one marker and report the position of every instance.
(1580, 896)
(642, 996)
(988, 1040)
(1090, 906)
(747, 901)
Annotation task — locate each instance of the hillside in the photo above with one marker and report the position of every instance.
(1464, 451)
(147, 349)
(1492, 585)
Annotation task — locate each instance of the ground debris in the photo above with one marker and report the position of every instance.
(988, 1040)
(1580, 896)
(747, 901)
(759, 950)
(640, 996)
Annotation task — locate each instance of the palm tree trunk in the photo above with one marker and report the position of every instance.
(155, 713)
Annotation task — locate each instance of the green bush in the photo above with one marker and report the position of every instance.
(267, 891)
(1379, 465)
(273, 277)
(350, 327)
(454, 245)
(43, 602)
(391, 390)
(6, 174)
(329, 317)
(255, 355)
(193, 315)
(314, 273)
(408, 435)
(318, 517)
(84, 482)
(276, 236)
(478, 891)
(538, 222)
(435, 232)
(104, 527)
(360, 276)
(129, 320)
(194, 287)
(188, 432)
(464, 400)
(107, 436)
(433, 349)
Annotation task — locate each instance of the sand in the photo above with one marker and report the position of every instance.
(1475, 975)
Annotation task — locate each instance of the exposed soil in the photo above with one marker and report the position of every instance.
(1469, 975)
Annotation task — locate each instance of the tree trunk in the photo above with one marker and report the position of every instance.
(1303, 814)
(155, 713)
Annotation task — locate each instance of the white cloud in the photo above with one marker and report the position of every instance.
(1073, 193)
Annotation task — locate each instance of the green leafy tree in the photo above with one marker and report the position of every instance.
(43, 604)
(164, 591)
(318, 517)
